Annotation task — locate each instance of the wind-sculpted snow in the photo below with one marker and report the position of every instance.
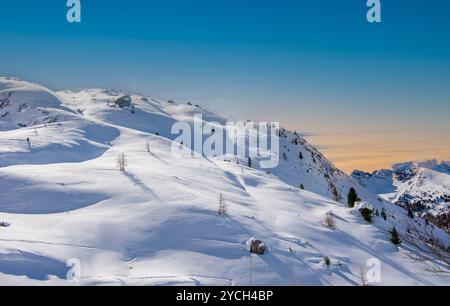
(146, 114)
(158, 222)
(23, 195)
(37, 128)
(31, 266)
(71, 142)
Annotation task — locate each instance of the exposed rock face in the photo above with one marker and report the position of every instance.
(124, 101)
(4, 99)
(22, 114)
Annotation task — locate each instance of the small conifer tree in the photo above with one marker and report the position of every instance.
(410, 213)
(223, 209)
(352, 197)
(367, 214)
(395, 237)
(384, 214)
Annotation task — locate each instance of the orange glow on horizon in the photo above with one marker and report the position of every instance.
(369, 152)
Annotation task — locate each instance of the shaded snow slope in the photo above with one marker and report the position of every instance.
(37, 128)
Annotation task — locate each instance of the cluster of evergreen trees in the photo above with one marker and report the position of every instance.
(368, 214)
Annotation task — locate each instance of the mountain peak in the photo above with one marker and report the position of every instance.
(433, 164)
(422, 186)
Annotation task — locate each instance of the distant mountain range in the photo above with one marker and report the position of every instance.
(422, 186)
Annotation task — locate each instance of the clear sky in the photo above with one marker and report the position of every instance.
(372, 94)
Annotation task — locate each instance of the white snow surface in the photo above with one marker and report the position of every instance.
(158, 223)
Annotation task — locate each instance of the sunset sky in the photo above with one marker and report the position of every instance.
(368, 95)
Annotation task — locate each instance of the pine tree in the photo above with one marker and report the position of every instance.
(367, 214)
(384, 214)
(395, 237)
(121, 162)
(363, 276)
(329, 220)
(410, 213)
(223, 209)
(352, 197)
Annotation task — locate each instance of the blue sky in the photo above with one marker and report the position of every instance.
(316, 66)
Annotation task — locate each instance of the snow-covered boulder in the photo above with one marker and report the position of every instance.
(124, 101)
(256, 246)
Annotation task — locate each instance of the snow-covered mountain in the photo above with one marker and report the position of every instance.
(62, 198)
(300, 164)
(423, 187)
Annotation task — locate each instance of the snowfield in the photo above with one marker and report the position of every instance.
(157, 223)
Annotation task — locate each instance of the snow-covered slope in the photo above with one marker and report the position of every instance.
(421, 186)
(301, 163)
(36, 128)
(63, 198)
(24, 104)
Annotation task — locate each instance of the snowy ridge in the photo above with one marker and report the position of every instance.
(24, 104)
(157, 223)
(422, 186)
